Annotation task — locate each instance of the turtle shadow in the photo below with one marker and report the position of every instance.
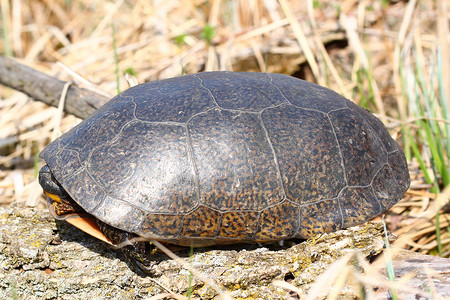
(245, 246)
(71, 234)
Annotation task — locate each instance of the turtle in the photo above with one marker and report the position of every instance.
(217, 158)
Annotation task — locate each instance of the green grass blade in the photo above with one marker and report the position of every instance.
(116, 58)
(438, 234)
(443, 101)
(388, 259)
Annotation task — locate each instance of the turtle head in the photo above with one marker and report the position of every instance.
(63, 207)
(136, 249)
(59, 198)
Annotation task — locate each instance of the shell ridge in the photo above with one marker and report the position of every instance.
(378, 171)
(298, 220)
(271, 107)
(126, 202)
(275, 158)
(371, 183)
(199, 114)
(296, 106)
(255, 99)
(100, 187)
(289, 102)
(346, 105)
(236, 210)
(279, 91)
(89, 158)
(194, 164)
(340, 206)
(262, 209)
(386, 162)
(339, 147)
(343, 168)
(76, 173)
(77, 154)
(360, 187)
(150, 122)
(338, 109)
(187, 214)
(117, 134)
(378, 138)
(209, 91)
(135, 107)
(257, 225)
(380, 205)
(393, 151)
(376, 174)
(309, 109)
(392, 170)
(170, 123)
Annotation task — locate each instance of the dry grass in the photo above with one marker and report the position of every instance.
(168, 38)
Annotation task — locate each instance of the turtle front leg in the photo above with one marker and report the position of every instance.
(136, 250)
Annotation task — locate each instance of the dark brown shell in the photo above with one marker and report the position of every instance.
(227, 157)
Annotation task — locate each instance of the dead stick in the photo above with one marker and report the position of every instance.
(39, 86)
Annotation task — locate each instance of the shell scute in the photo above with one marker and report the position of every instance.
(237, 224)
(386, 187)
(86, 190)
(234, 160)
(376, 125)
(156, 173)
(112, 116)
(308, 154)
(71, 168)
(358, 204)
(278, 221)
(161, 226)
(398, 165)
(166, 101)
(120, 215)
(362, 150)
(202, 222)
(319, 217)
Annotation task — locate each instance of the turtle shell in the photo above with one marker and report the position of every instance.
(223, 157)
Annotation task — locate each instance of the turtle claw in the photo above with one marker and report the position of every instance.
(144, 268)
(139, 254)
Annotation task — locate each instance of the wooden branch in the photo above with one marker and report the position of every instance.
(41, 258)
(79, 101)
